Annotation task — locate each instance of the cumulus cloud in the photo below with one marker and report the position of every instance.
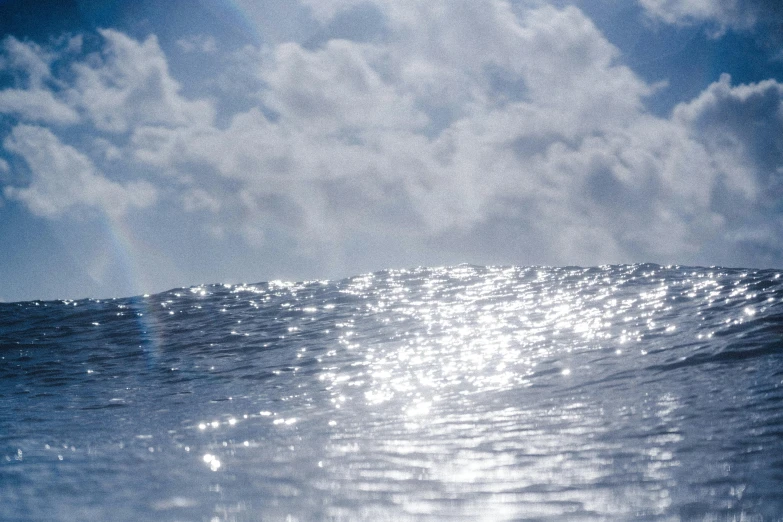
(130, 85)
(740, 128)
(467, 119)
(36, 105)
(27, 59)
(33, 99)
(742, 122)
(567, 152)
(333, 89)
(355, 123)
(126, 87)
(63, 178)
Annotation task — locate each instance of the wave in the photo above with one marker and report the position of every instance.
(431, 393)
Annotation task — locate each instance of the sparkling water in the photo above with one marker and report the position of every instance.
(476, 393)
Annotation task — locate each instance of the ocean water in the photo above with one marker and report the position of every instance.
(463, 393)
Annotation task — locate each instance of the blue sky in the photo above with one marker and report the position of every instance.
(148, 145)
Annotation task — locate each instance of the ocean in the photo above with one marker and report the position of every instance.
(461, 393)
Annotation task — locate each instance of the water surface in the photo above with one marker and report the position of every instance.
(476, 393)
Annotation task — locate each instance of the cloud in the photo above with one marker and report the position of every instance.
(356, 142)
(740, 128)
(200, 43)
(63, 178)
(36, 105)
(735, 14)
(126, 86)
(517, 134)
(29, 59)
(562, 149)
(355, 122)
(742, 122)
(334, 89)
(34, 99)
(130, 85)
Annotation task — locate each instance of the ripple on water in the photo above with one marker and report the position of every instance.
(433, 393)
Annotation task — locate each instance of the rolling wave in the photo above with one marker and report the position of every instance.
(468, 392)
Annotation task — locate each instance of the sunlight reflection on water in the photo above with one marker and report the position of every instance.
(467, 392)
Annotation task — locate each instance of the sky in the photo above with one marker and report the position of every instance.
(149, 145)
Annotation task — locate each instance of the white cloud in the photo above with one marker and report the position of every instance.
(127, 85)
(33, 100)
(63, 178)
(28, 58)
(36, 105)
(334, 89)
(130, 85)
(352, 117)
(466, 118)
(736, 14)
(201, 43)
(741, 127)
(571, 157)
